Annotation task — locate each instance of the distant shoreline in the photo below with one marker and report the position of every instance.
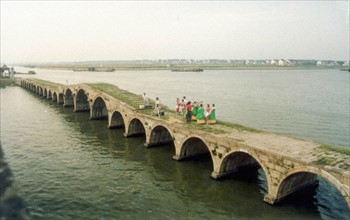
(112, 68)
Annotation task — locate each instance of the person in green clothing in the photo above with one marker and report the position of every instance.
(194, 110)
(200, 114)
(212, 116)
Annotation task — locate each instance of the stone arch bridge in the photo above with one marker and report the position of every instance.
(289, 164)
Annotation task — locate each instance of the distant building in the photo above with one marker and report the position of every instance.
(281, 63)
(319, 63)
(5, 72)
(289, 63)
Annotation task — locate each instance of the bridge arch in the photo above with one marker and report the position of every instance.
(194, 146)
(54, 97)
(159, 135)
(40, 91)
(60, 99)
(81, 101)
(99, 109)
(116, 120)
(68, 98)
(34, 89)
(45, 92)
(49, 95)
(303, 176)
(240, 158)
(135, 128)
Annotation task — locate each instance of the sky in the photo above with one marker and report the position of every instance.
(57, 31)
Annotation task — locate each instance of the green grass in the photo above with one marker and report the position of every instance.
(135, 101)
(324, 161)
(341, 150)
(45, 83)
(127, 97)
(328, 159)
(6, 82)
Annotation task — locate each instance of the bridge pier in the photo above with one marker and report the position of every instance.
(157, 143)
(180, 157)
(126, 135)
(81, 108)
(177, 157)
(215, 175)
(68, 101)
(112, 126)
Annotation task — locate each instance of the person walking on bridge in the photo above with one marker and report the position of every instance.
(145, 99)
(189, 112)
(177, 106)
(157, 107)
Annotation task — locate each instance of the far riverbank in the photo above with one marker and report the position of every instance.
(94, 67)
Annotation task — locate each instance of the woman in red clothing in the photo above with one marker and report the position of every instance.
(189, 111)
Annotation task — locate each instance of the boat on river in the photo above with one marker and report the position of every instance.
(28, 73)
(187, 70)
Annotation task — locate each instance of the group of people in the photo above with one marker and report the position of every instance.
(195, 111)
(192, 111)
(157, 106)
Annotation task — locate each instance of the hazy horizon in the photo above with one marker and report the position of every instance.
(61, 31)
(126, 61)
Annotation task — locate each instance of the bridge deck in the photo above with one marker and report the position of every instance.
(289, 147)
(305, 151)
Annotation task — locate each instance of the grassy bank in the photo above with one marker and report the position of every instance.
(45, 83)
(6, 82)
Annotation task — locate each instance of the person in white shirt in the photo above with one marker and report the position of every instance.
(145, 99)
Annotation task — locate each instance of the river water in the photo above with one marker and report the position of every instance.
(68, 167)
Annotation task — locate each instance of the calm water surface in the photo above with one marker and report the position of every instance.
(68, 167)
